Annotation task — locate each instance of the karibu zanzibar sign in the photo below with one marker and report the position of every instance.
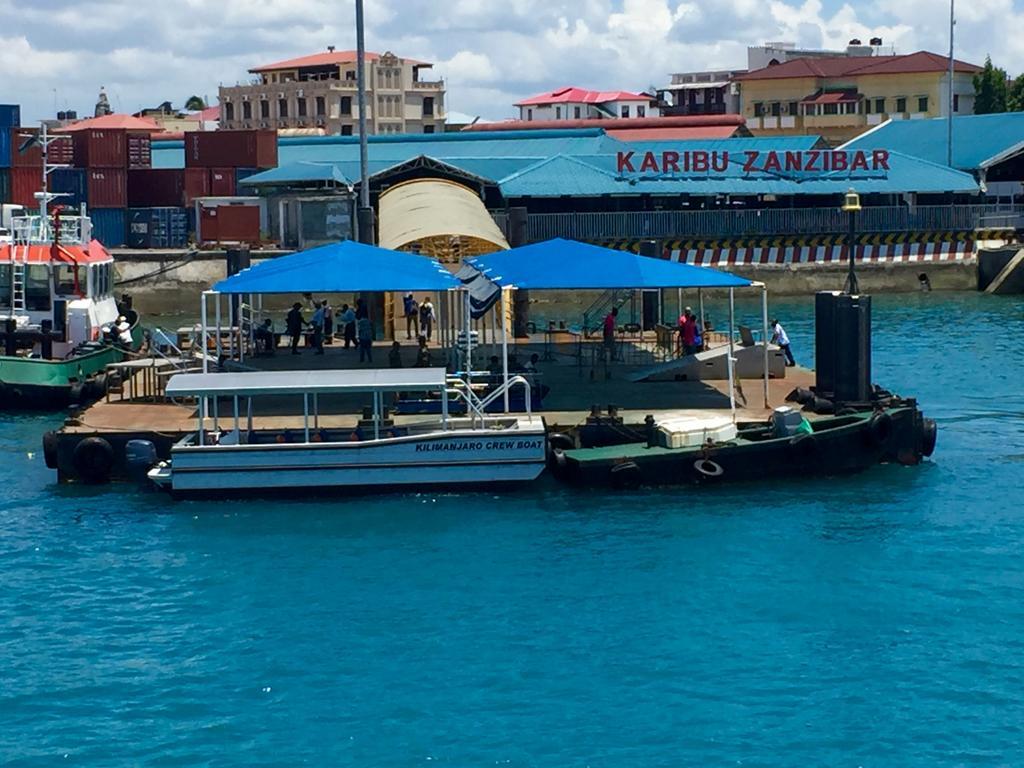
(698, 162)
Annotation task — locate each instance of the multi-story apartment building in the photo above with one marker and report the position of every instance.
(319, 91)
(840, 97)
(709, 92)
(580, 104)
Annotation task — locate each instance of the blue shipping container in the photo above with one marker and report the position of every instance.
(243, 173)
(5, 147)
(71, 184)
(10, 115)
(158, 228)
(109, 226)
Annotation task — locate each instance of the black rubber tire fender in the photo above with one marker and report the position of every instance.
(880, 428)
(626, 475)
(51, 442)
(559, 441)
(804, 447)
(708, 469)
(75, 392)
(93, 459)
(929, 435)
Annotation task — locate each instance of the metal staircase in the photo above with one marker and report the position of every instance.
(603, 304)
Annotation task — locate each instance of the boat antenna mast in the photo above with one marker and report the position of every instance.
(43, 140)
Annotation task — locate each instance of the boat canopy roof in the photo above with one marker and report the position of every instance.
(253, 383)
(570, 265)
(342, 267)
(67, 255)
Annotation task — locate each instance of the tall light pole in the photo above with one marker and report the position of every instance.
(949, 124)
(364, 216)
(851, 204)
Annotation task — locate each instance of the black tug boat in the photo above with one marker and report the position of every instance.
(854, 425)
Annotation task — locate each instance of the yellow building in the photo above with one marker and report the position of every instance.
(839, 98)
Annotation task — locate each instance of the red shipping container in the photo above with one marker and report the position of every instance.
(61, 151)
(25, 182)
(156, 188)
(222, 182)
(107, 187)
(140, 150)
(231, 149)
(30, 158)
(101, 149)
(230, 224)
(197, 184)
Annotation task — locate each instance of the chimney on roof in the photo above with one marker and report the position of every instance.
(330, 49)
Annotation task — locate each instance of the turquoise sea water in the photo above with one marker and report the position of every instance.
(869, 621)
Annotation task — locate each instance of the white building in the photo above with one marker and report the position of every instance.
(580, 104)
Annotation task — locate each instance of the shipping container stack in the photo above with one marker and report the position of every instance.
(10, 119)
(101, 156)
(215, 162)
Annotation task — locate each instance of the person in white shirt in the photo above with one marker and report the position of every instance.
(124, 331)
(780, 338)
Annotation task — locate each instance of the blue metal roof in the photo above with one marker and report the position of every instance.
(298, 172)
(341, 268)
(570, 265)
(597, 175)
(978, 140)
(736, 144)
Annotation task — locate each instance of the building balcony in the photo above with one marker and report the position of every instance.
(428, 85)
(685, 110)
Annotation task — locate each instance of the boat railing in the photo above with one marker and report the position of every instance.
(30, 230)
(476, 406)
(506, 388)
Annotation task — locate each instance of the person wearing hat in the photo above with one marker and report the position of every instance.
(124, 331)
(412, 317)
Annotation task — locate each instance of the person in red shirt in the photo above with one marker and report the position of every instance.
(688, 332)
(609, 333)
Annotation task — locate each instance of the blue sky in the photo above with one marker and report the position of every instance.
(491, 52)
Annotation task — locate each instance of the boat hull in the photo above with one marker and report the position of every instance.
(456, 458)
(30, 383)
(841, 445)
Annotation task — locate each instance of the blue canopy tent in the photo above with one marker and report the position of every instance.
(570, 265)
(345, 267)
(560, 264)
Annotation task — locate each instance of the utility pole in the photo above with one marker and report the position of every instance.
(364, 216)
(949, 124)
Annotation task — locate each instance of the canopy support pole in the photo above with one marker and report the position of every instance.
(468, 325)
(504, 344)
(305, 416)
(204, 332)
(217, 321)
(764, 338)
(237, 425)
(700, 308)
(732, 382)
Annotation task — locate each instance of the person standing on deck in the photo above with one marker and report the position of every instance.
(364, 330)
(318, 328)
(426, 317)
(608, 333)
(348, 325)
(294, 323)
(689, 331)
(328, 322)
(423, 354)
(412, 317)
(780, 338)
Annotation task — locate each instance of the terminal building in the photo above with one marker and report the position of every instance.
(736, 200)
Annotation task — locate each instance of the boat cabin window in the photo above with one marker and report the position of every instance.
(5, 285)
(64, 280)
(37, 288)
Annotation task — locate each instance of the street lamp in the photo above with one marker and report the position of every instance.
(851, 204)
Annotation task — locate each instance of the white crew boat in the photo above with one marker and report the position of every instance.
(475, 449)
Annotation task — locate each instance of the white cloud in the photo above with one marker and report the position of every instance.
(491, 53)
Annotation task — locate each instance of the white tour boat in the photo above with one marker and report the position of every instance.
(445, 450)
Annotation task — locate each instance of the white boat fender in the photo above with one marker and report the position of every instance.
(93, 459)
(880, 428)
(708, 468)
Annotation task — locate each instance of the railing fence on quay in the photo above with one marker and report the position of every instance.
(751, 222)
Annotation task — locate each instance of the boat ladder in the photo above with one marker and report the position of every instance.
(18, 269)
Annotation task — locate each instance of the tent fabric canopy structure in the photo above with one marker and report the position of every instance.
(569, 265)
(439, 218)
(340, 268)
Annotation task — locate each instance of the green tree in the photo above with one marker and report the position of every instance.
(195, 104)
(1015, 96)
(990, 89)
